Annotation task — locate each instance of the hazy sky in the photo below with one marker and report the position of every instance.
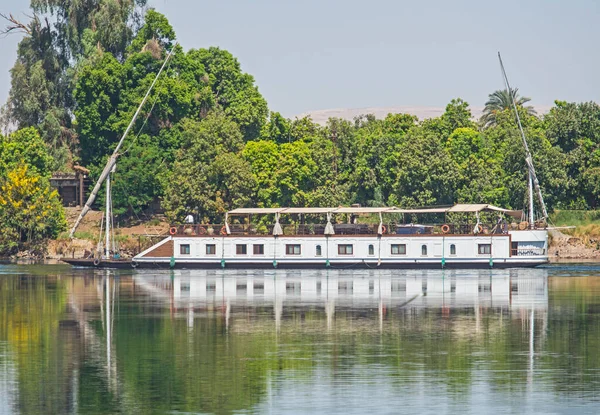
(308, 54)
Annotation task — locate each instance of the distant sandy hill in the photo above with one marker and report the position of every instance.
(321, 116)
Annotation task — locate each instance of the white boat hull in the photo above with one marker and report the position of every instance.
(516, 249)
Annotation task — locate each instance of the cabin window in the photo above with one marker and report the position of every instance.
(398, 249)
(319, 251)
(241, 249)
(292, 249)
(485, 249)
(371, 250)
(258, 249)
(184, 249)
(211, 249)
(423, 250)
(345, 249)
(452, 249)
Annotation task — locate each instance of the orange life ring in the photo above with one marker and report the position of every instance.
(223, 230)
(383, 229)
(173, 230)
(202, 230)
(479, 228)
(445, 228)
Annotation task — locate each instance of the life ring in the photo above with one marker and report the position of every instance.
(223, 230)
(202, 230)
(383, 229)
(445, 228)
(173, 230)
(523, 225)
(479, 228)
(96, 262)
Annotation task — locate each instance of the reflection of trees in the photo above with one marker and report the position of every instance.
(55, 332)
(31, 311)
(573, 334)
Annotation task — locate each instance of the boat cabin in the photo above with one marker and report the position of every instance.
(466, 236)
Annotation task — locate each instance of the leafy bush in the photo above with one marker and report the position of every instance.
(30, 211)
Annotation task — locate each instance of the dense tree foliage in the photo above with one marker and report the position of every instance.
(59, 36)
(205, 141)
(30, 210)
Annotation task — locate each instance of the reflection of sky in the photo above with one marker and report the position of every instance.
(8, 380)
(374, 389)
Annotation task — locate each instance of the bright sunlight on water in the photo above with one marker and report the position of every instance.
(295, 342)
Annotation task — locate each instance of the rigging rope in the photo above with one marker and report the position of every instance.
(147, 115)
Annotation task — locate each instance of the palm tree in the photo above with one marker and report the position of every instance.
(500, 101)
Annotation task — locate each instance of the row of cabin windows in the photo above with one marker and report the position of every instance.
(184, 249)
(211, 249)
(257, 249)
(343, 249)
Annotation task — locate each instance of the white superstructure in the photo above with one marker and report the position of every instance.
(351, 245)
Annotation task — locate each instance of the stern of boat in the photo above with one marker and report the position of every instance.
(530, 245)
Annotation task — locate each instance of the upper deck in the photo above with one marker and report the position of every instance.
(357, 221)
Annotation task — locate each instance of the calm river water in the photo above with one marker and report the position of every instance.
(295, 342)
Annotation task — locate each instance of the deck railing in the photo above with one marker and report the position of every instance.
(528, 251)
(319, 229)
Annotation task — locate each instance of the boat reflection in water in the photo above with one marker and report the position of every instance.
(354, 291)
(300, 341)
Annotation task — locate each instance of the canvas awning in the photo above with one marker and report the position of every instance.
(458, 208)
(365, 210)
(307, 210)
(467, 208)
(461, 208)
(256, 211)
(424, 210)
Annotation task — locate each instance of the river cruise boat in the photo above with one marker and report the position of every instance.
(468, 236)
(346, 238)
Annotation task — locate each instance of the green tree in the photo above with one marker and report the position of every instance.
(480, 174)
(501, 100)
(399, 123)
(263, 157)
(421, 172)
(25, 147)
(457, 115)
(277, 129)
(58, 37)
(234, 90)
(551, 164)
(157, 30)
(568, 124)
(203, 175)
(30, 211)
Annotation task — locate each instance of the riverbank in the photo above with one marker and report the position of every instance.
(577, 236)
(572, 245)
(130, 238)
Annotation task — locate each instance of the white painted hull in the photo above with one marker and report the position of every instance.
(517, 249)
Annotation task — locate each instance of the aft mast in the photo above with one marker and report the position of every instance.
(533, 181)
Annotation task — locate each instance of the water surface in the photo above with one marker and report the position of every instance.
(293, 342)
